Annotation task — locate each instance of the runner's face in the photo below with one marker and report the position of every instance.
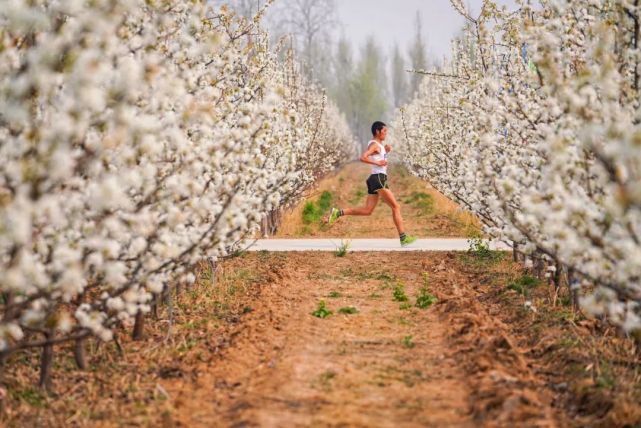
(382, 134)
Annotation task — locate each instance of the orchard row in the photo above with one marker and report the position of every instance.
(136, 139)
(534, 126)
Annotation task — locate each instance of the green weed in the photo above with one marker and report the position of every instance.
(325, 201)
(311, 213)
(322, 311)
(425, 299)
(408, 342)
(605, 378)
(524, 285)
(479, 247)
(399, 293)
(348, 310)
(334, 295)
(341, 251)
(479, 252)
(384, 276)
(32, 396)
(568, 342)
(325, 379)
(566, 301)
(405, 322)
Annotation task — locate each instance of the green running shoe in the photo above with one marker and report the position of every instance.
(333, 216)
(407, 240)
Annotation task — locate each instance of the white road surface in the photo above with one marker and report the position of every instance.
(366, 245)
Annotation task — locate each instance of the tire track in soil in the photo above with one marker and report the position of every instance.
(284, 367)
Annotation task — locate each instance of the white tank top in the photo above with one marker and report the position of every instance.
(377, 157)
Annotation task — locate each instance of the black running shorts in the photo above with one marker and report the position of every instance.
(376, 182)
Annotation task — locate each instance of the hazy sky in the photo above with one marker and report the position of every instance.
(393, 20)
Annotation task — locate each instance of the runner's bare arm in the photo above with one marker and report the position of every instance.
(372, 149)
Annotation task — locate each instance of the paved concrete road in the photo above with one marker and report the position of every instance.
(367, 245)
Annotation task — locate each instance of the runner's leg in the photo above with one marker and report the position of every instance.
(389, 199)
(370, 204)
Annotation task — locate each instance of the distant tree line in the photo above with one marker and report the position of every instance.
(366, 82)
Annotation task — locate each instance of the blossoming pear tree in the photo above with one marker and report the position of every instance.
(534, 125)
(136, 139)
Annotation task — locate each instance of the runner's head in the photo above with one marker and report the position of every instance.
(379, 130)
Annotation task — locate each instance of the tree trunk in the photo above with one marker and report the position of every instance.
(539, 266)
(154, 305)
(79, 353)
(574, 293)
(212, 267)
(46, 363)
(139, 326)
(558, 275)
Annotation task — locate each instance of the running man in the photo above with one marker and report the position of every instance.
(376, 155)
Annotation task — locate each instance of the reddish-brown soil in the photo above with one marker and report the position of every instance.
(246, 351)
(387, 365)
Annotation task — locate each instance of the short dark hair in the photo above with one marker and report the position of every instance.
(377, 126)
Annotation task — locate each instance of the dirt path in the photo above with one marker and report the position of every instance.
(426, 212)
(388, 365)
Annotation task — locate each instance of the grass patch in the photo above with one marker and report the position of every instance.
(605, 377)
(569, 342)
(313, 210)
(325, 201)
(311, 213)
(322, 311)
(348, 310)
(422, 201)
(479, 252)
(408, 342)
(32, 396)
(524, 285)
(334, 295)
